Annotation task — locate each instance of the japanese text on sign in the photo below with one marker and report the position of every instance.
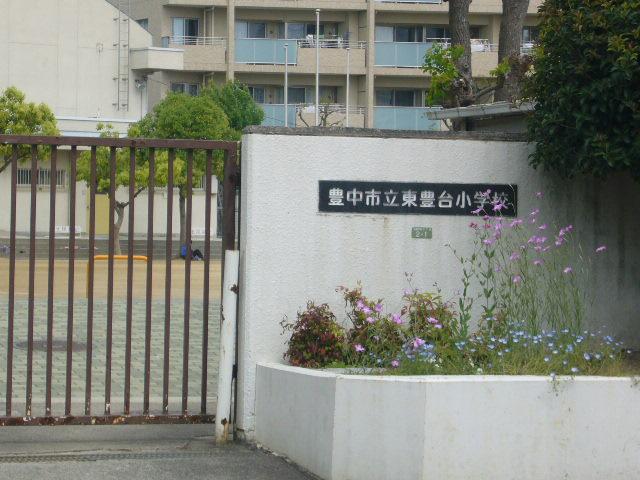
(342, 196)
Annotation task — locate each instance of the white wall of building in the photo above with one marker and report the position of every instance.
(291, 253)
(62, 53)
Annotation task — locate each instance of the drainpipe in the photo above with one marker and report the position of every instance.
(317, 67)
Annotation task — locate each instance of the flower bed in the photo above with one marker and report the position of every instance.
(367, 427)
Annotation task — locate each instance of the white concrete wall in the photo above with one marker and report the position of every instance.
(290, 253)
(351, 427)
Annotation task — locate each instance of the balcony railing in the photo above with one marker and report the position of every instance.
(182, 40)
(274, 115)
(411, 54)
(265, 51)
(411, 1)
(404, 118)
(331, 43)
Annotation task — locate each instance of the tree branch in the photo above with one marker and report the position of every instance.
(5, 164)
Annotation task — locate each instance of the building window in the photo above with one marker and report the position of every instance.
(144, 23)
(530, 35)
(257, 93)
(43, 179)
(251, 29)
(192, 89)
(437, 32)
(387, 97)
(185, 30)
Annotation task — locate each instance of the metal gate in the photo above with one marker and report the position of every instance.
(109, 346)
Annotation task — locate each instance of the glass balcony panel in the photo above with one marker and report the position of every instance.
(274, 115)
(399, 54)
(404, 118)
(265, 51)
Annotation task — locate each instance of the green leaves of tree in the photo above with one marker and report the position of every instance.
(440, 63)
(587, 73)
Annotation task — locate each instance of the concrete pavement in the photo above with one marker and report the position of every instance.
(133, 452)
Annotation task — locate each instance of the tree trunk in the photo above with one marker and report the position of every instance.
(183, 219)
(116, 229)
(513, 15)
(459, 26)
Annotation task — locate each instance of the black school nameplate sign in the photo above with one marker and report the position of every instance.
(343, 196)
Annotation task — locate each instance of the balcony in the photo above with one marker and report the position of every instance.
(152, 59)
(201, 54)
(265, 51)
(404, 118)
(274, 115)
(412, 1)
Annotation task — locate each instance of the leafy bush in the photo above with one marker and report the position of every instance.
(316, 338)
(585, 84)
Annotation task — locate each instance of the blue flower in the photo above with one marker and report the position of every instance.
(586, 356)
(575, 369)
(546, 359)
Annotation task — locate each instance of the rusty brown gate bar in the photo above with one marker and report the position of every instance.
(43, 152)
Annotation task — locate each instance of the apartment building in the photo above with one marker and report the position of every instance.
(378, 44)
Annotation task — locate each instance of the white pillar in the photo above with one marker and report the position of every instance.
(286, 84)
(227, 343)
(348, 81)
(317, 67)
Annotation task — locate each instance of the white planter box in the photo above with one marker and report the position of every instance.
(358, 427)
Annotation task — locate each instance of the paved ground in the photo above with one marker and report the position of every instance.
(157, 453)
(99, 336)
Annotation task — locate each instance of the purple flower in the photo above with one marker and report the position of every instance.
(538, 262)
(602, 248)
(535, 212)
(559, 241)
(360, 305)
(514, 256)
(515, 223)
(539, 194)
(477, 211)
(488, 241)
(366, 310)
(567, 270)
(378, 307)
(473, 225)
(542, 227)
(417, 343)
(371, 320)
(432, 320)
(499, 206)
(438, 326)
(359, 348)
(397, 319)
(517, 279)
(395, 363)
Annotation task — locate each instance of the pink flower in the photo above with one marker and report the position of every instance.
(567, 270)
(601, 249)
(533, 239)
(473, 225)
(366, 310)
(438, 326)
(477, 211)
(417, 343)
(359, 348)
(542, 227)
(514, 256)
(539, 194)
(395, 363)
(432, 320)
(397, 319)
(371, 320)
(488, 241)
(559, 241)
(517, 279)
(535, 212)
(515, 223)
(360, 305)
(378, 307)
(538, 262)
(499, 206)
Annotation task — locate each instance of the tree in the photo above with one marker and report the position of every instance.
(452, 82)
(183, 116)
(238, 104)
(103, 180)
(18, 117)
(585, 85)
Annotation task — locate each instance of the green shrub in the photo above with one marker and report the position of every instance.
(316, 338)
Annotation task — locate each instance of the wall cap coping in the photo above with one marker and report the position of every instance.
(377, 133)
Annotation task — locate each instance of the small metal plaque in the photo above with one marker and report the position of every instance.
(422, 232)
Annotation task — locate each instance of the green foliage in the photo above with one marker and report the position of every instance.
(440, 64)
(316, 338)
(238, 104)
(502, 69)
(186, 117)
(585, 84)
(18, 117)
